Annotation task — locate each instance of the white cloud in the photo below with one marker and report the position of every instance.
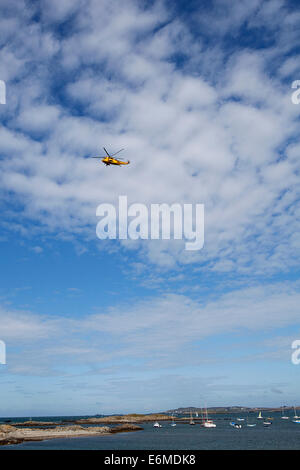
(161, 332)
(38, 118)
(191, 136)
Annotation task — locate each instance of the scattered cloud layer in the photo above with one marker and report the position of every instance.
(199, 124)
(160, 332)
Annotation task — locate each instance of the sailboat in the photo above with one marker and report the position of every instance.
(173, 422)
(208, 423)
(250, 425)
(296, 418)
(283, 416)
(259, 416)
(192, 422)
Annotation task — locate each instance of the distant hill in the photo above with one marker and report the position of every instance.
(222, 409)
(212, 409)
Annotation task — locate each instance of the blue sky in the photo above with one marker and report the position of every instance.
(200, 98)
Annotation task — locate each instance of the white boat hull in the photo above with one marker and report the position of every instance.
(209, 425)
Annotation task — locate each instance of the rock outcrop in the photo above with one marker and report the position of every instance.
(15, 435)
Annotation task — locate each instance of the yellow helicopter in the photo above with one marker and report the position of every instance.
(110, 160)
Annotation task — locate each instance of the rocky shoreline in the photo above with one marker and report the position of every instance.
(18, 432)
(121, 419)
(15, 435)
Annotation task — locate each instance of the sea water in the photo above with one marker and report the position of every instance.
(282, 434)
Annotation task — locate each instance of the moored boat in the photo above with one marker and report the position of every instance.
(157, 425)
(250, 425)
(235, 425)
(207, 423)
(192, 422)
(284, 416)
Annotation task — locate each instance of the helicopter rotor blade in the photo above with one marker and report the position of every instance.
(117, 152)
(110, 156)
